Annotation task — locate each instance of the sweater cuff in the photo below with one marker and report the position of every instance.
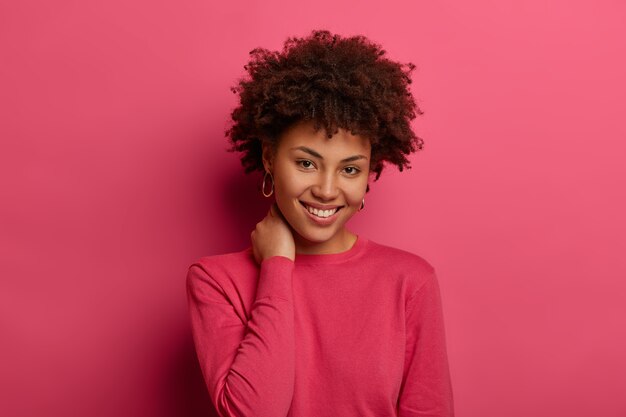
(275, 278)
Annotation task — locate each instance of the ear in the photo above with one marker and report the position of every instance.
(268, 156)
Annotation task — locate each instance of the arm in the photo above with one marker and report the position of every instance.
(426, 389)
(249, 369)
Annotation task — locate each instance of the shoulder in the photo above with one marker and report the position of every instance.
(222, 278)
(399, 259)
(221, 266)
(413, 268)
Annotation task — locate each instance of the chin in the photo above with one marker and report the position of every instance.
(317, 236)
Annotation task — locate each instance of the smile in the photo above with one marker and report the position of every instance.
(321, 216)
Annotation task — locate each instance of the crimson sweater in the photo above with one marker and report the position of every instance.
(358, 334)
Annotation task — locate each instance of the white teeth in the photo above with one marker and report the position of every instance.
(321, 213)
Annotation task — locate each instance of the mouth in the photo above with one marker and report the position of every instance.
(321, 214)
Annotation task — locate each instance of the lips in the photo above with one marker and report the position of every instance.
(320, 207)
(321, 221)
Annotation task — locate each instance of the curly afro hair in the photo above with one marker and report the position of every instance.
(334, 82)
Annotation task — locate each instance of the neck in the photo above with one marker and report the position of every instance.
(340, 242)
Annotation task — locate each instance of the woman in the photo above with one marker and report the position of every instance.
(313, 320)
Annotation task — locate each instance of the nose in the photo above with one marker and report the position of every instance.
(325, 187)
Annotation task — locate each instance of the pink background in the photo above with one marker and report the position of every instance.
(114, 178)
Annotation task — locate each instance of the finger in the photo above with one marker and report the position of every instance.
(280, 214)
(255, 253)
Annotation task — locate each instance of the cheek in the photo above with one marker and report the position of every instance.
(291, 184)
(356, 192)
(284, 187)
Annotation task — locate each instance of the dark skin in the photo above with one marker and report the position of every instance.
(307, 166)
(272, 237)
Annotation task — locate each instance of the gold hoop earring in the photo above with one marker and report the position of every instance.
(263, 185)
(362, 205)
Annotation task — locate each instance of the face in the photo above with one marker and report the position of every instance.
(311, 170)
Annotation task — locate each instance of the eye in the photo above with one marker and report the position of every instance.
(304, 161)
(354, 171)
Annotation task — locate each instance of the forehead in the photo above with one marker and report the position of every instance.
(342, 144)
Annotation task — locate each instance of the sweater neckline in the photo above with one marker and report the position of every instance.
(333, 258)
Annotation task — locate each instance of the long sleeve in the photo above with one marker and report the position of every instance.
(426, 388)
(249, 368)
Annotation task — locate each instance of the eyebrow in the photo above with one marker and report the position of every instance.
(317, 155)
